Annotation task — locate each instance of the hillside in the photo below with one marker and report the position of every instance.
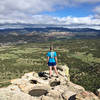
(81, 55)
(15, 35)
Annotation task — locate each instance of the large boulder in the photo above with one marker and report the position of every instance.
(55, 95)
(86, 96)
(64, 71)
(47, 98)
(98, 93)
(68, 95)
(14, 93)
(75, 87)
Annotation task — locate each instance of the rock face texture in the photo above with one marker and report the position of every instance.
(98, 93)
(38, 86)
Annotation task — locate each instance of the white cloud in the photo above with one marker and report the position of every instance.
(27, 11)
(10, 7)
(22, 10)
(89, 21)
(29, 6)
(45, 19)
(86, 1)
(97, 10)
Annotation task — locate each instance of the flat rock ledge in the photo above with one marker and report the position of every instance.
(38, 86)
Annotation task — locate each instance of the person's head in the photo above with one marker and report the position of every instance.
(51, 48)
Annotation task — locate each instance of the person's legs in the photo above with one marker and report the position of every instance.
(50, 71)
(55, 70)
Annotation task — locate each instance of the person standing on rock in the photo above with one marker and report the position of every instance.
(52, 61)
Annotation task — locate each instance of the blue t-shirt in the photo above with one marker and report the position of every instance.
(51, 55)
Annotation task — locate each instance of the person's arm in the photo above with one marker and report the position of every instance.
(56, 59)
(47, 59)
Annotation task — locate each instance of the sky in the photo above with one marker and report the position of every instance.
(72, 13)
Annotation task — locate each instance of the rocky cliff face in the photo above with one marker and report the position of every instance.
(38, 86)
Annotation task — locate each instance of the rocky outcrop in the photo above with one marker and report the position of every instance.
(86, 96)
(98, 93)
(38, 86)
